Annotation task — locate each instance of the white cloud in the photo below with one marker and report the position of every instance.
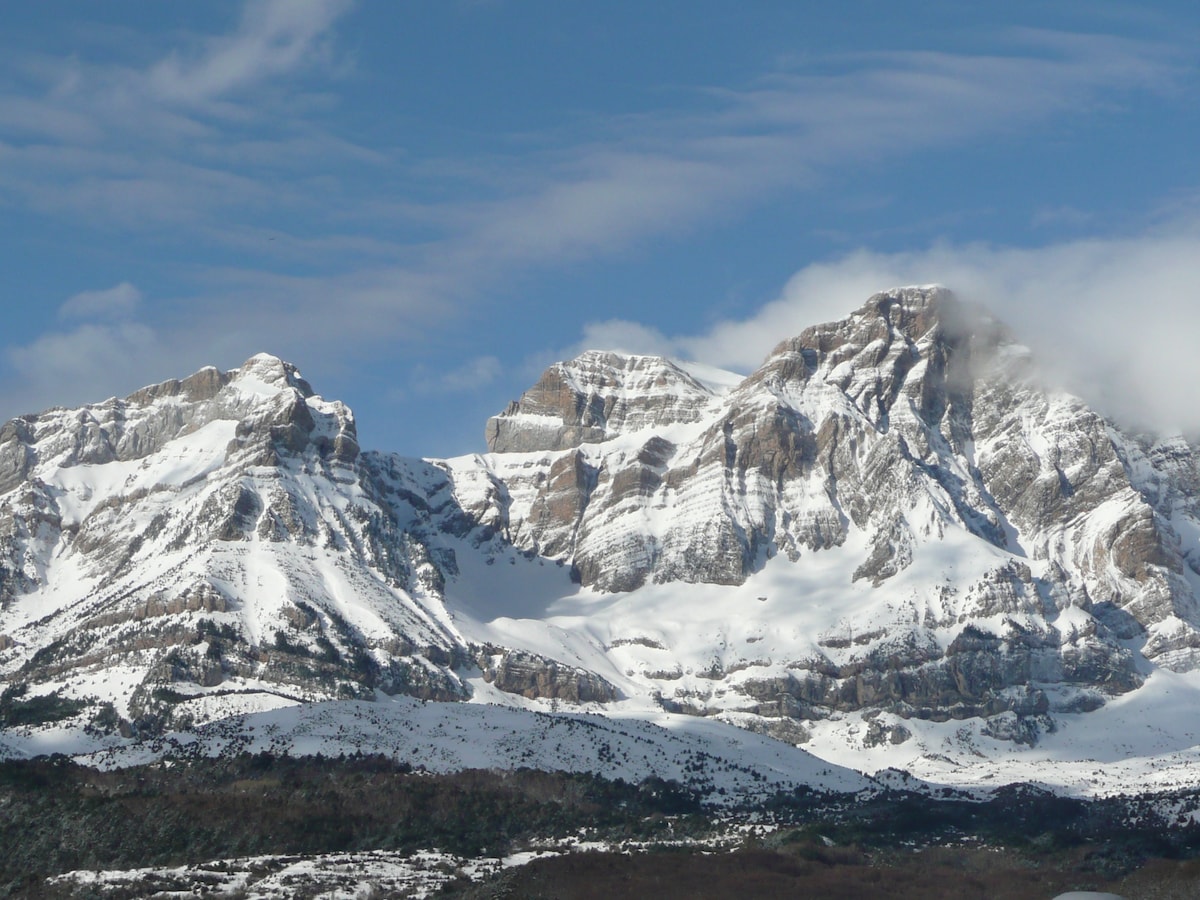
(1113, 320)
(116, 302)
(84, 364)
(275, 37)
(818, 293)
(626, 337)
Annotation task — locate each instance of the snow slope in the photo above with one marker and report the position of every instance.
(890, 544)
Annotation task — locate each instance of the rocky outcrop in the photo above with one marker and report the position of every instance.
(980, 674)
(16, 457)
(533, 676)
(594, 397)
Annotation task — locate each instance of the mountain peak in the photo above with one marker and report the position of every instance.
(594, 397)
(913, 297)
(262, 374)
(917, 309)
(266, 373)
(925, 329)
(914, 311)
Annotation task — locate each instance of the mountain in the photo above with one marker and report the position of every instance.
(891, 543)
(923, 529)
(218, 534)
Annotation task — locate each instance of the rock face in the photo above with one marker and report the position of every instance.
(593, 398)
(220, 542)
(872, 447)
(890, 520)
(533, 676)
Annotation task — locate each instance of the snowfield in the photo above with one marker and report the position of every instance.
(726, 764)
(888, 547)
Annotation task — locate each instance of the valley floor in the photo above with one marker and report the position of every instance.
(260, 825)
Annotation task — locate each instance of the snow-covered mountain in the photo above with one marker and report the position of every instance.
(897, 515)
(206, 536)
(889, 539)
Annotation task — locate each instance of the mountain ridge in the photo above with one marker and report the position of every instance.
(887, 523)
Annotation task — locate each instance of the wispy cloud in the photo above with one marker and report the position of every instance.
(84, 364)
(182, 139)
(1062, 216)
(214, 139)
(275, 37)
(201, 146)
(1112, 320)
(116, 302)
(470, 376)
(666, 174)
(623, 336)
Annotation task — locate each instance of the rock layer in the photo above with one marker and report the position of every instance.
(912, 421)
(890, 518)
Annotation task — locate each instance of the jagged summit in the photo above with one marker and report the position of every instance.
(600, 394)
(273, 408)
(595, 397)
(263, 374)
(269, 372)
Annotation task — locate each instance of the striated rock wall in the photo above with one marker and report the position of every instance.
(534, 676)
(913, 420)
(594, 397)
(983, 547)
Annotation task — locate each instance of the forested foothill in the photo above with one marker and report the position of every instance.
(59, 816)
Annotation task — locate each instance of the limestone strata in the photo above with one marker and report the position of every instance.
(533, 676)
(913, 420)
(594, 397)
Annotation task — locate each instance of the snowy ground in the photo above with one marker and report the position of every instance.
(713, 757)
(1144, 741)
(350, 876)
(1148, 740)
(338, 876)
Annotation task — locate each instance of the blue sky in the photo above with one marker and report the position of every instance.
(422, 204)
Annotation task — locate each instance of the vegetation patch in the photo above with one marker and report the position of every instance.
(60, 817)
(17, 709)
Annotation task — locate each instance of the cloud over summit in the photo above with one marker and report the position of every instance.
(1115, 320)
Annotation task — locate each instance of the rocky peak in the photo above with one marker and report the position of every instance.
(203, 385)
(267, 374)
(873, 448)
(193, 529)
(279, 413)
(870, 353)
(266, 396)
(594, 397)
